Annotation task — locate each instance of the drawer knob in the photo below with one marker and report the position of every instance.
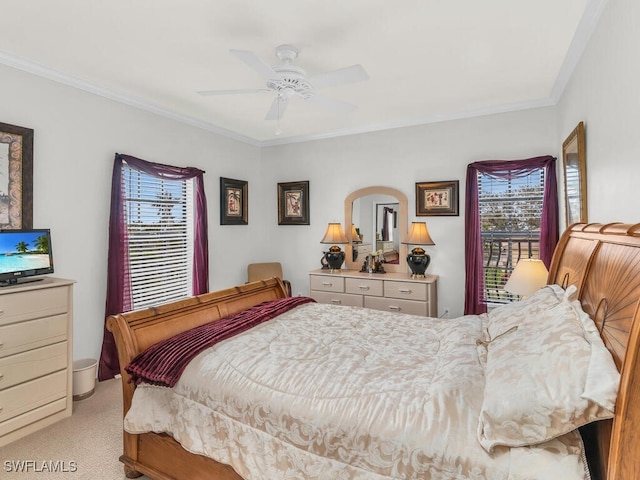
(336, 302)
(363, 287)
(394, 308)
(404, 290)
(327, 284)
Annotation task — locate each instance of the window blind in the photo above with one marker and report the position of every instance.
(510, 218)
(160, 226)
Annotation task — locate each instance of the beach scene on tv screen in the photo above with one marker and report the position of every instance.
(23, 251)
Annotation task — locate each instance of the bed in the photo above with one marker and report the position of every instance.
(595, 273)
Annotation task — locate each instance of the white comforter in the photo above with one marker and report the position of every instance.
(333, 392)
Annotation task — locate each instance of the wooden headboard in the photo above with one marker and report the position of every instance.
(603, 261)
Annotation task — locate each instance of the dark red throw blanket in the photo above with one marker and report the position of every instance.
(163, 363)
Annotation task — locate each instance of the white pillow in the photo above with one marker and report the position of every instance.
(547, 372)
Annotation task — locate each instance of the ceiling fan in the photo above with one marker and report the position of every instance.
(287, 80)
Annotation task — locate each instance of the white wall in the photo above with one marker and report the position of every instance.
(604, 92)
(399, 158)
(76, 135)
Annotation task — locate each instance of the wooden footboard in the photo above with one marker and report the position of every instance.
(160, 456)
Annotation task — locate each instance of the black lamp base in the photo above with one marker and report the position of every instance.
(418, 262)
(334, 258)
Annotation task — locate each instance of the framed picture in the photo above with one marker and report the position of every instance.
(437, 198)
(293, 203)
(234, 206)
(16, 177)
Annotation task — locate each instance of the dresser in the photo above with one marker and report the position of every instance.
(36, 354)
(394, 292)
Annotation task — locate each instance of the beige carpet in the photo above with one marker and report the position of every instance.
(91, 437)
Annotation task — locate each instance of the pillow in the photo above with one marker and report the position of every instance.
(502, 318)
(547, 372)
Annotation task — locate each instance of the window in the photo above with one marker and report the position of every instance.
(159, 222)
(510, 212)
(158, 247)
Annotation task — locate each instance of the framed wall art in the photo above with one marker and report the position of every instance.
(16, 177)
(293, 203)
(234, 203)
(437, 198)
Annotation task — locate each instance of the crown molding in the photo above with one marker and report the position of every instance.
(586, 27)
(57, 76)
(414, 122)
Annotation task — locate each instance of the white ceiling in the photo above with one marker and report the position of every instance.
(428, 60)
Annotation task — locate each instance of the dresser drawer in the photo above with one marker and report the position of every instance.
(397, 305)
(337, 298)
(19, 337)
(21, 367)
(29, 420)
(364, 286)
(27, 396)
(326, 283)
(363, 249)
(20, 306)
(405, 290)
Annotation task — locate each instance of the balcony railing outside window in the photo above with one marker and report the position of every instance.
(501, 253)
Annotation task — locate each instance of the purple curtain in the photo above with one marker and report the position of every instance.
(504, 169)
(118, 278)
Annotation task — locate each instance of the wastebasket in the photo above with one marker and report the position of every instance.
(84, 378)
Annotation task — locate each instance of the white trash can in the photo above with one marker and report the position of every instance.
(84, 378)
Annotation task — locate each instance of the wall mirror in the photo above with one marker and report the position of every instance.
(378, 213)
(574, 162)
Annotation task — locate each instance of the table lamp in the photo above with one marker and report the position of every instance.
(418, 259)
(335, 256)
(529, 276)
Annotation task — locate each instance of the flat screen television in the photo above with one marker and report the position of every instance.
(24, 254)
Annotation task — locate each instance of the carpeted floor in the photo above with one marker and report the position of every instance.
(89, 442)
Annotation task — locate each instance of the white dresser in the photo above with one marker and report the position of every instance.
(395, 292)
(36, 354)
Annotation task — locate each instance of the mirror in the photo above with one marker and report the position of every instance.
(574, 163)
(367, 210)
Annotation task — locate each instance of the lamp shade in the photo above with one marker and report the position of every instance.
(354, 234)
(418, 235)
(529, 276)
(334, 234)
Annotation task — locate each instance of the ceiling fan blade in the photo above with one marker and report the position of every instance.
(352, 74)
(255, 63)
(233, 92)
(331, 103)
(278, 106)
